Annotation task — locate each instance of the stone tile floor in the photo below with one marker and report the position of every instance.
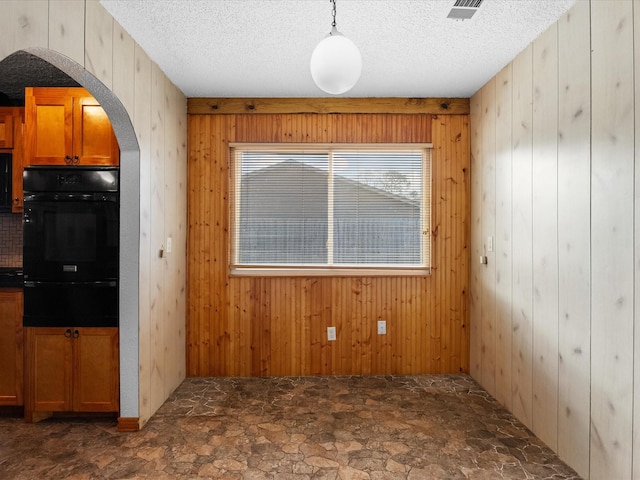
(392, 427)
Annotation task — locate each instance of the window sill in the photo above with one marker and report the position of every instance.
(329, 272)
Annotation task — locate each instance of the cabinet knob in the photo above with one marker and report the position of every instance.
(76, 334)
(67, 333)
(16, 200)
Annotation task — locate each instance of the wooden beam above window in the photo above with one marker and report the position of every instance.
(234, 106)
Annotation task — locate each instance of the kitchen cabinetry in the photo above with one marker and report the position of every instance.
(11, 141)
(6, 128)
(11, 350)
(71, 370)
(67, 126)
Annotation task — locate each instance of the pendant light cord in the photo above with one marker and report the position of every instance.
(333, 12)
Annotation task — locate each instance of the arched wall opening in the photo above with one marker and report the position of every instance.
(129, 222)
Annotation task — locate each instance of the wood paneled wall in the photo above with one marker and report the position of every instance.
(555, 142)
(152, 344)
(270, 326)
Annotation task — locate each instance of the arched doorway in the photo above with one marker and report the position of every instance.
(129, 211)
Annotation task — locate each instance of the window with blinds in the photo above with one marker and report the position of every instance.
(327, 207)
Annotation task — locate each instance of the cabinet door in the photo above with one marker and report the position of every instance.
(96, 373)
(49, 369)
(94, 142)
(17, 163)
(6, 129)
(11, 352)
(48, 127)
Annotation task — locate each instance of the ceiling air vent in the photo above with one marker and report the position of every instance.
(464, 9)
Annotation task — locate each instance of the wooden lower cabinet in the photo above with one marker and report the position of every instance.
(11, 347)
(71, 370)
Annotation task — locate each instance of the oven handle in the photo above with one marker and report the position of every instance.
(83, 197)
(97, 283)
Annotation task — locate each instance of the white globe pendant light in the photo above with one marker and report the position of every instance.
(336, 63)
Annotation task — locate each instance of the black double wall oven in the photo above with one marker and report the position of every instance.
(71, 238)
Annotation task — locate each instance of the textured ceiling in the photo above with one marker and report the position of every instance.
(25, 70)
(261, 48)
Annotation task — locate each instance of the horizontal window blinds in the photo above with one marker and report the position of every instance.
(341, 207)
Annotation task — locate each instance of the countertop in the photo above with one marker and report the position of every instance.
(11, 277)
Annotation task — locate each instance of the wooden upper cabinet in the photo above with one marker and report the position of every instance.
(6, 129)
(67, 126)
(93, 139)
(11, 141)
(17, 159)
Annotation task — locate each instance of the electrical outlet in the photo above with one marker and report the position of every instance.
(331, 333)
(382, 327)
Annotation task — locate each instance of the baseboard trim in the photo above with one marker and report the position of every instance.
(128, 424)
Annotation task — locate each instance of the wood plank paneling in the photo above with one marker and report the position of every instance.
(574, 225)
(142, 119)
(66, 28)
(545, 237)
(279, 106)
(574, 221)
(450, 287)
(98, 37)
(123, 67)
(522, 307)
(277, 325)
(503, 236)
(612, 254)
(158, 260)
(636, 343)
(476, 243)
(488, 212)
(83, 31)
(23, 25)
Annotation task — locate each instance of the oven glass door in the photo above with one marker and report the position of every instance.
(71, 237)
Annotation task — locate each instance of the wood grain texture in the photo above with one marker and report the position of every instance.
(6, 127)
(575, 238)
(158, 260)
(96, 370)
(17, 160)
(488, 212)
(636, 358)
(612, 252)
(239, 106)
(128, 424)
(66, 28)
(24, 24)
(98, 52)
(574, 225)
(477, 250)
(142, 118)
(268, 326)
(504, 235)
(84, 32)
(123, 67)
(545, 237)
(522, 306)
(11, 347)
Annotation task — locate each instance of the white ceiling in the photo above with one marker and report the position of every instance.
(261, 48)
